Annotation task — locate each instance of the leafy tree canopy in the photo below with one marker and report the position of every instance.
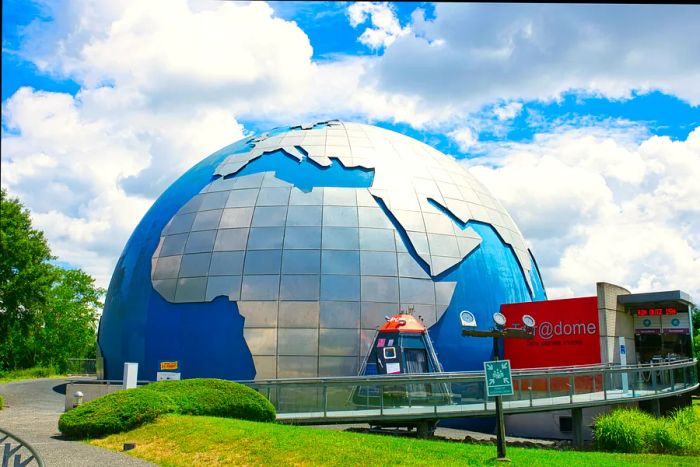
(47, 314)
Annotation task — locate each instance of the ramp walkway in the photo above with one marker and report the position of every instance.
(437, 396)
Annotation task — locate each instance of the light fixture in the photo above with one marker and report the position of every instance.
(528, 321)
(499, 319)
(467, 318)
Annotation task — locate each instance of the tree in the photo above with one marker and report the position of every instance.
(47, 314)
(696, 331)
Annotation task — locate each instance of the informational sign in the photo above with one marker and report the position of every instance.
(675, 324)
(167, 375)
(168, 366)
(647, 324)
(498, 379)
(566, 333)
(393, 368)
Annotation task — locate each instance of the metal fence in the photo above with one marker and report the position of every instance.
(82, 366)
(457, 395)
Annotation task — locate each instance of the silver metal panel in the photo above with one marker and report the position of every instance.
(258, 314)
(366, 340)
(273, 197)
(297, 367)
(265, 238)
(207, 220)
(292, 341)
(340, 288)
(443, 292)
(231, 239)
(261, 341)
(340, 238)
(378, 263)
(380, 289)
(270, 180)
(250, 181)
(166, 288)
(420, 242)
(195, 265)
(417, 291)
(365, 198)
(340, 315)
(262, 262)
(425, 313)
(409, 267)
(216, 200)
(438, 223)
(236, 217)
(265, 366)
(340, 262)
(226, 263)
(173, 245)
(228, 286)
(377, 239)
(299, 287)
(304, 215)
(302, 238)
(192, 205)
(373, 217)
(242, 198)
(191, 289)
(410, 220)
(301, 198)
(301, 262)
(260, 287)
(200, 242)
(167, 267)
(299, 314)
(339, 342)
(340, 216)
(269, 216)
(405, 200)
(221, 184)
(443, 245)
(180, 223)
(337, 366)
(373, 313)
(439, 264)
(335, 196)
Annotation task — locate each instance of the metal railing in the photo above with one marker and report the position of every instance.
(81, 366)
(14, 448)
(462, 394)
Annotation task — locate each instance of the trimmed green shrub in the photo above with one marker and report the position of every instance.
(114, 413)
(634, 431)
(2, 402)
(27, 373)
(216, 397)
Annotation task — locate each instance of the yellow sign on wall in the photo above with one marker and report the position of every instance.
(168, 365)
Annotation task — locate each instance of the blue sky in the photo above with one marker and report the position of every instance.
(602, 99)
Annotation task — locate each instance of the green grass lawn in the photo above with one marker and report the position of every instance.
(178, 440)
(28, 373)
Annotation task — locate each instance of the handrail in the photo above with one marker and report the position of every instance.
(22, 443)
(476, 375)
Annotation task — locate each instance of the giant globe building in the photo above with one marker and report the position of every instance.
(280, 255)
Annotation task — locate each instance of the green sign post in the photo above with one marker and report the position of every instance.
(498, 380)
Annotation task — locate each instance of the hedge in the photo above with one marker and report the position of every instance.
(114, 413)
(2, 402)
(129, 409)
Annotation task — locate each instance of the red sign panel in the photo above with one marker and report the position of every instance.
(566, 333)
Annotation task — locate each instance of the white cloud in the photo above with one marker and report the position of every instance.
(464, 137)
(476, 54)
(385, 27)
(598, 206)
(508, 111)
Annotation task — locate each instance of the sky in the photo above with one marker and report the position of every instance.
(582, 119)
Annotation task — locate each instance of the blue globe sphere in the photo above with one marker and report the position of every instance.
(279, 255)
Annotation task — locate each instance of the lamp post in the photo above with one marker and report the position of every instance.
(498, 331)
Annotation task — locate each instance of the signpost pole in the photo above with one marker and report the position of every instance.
(500, 422)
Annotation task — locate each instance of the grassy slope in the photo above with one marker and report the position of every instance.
(191, 441)
(28, 373)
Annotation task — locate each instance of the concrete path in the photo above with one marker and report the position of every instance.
(31, 411)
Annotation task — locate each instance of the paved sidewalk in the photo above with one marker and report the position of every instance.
(31, 411)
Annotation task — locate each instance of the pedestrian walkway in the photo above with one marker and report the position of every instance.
(32, 408)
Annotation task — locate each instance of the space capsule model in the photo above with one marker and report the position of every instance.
(402, 345)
